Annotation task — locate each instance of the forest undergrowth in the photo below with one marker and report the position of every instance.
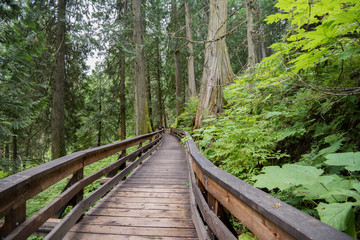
(291, 124)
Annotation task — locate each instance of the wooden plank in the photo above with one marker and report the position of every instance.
(135, 231)
(163, 186)
(151, 195)
(149, 200)
(158, 181)
(164, 177)
(137, 222)
(182, 214)
(139, 189)
(159, 176)
(47, 227)
(92, 236)
(143, 205)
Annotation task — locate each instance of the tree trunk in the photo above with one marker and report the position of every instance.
(178, 82)
(217, 70)
(142, 121)
(122, 99)
(178, 75)
(123, 76)
(58, 111)
(14, 154)
(7, 155)
(250, 33)
(190, 58)
(262, 42)
(159, 97)
(148, 97)
(100, 116)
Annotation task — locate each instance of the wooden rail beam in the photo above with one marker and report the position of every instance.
(16, 189)
(253, 207)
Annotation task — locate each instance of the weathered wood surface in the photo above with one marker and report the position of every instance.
(17, 188)
(153, 203)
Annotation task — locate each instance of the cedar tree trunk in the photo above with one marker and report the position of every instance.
(142, 121)
(58, 111)
(217, 70)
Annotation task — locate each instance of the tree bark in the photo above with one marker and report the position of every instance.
(100, 115)
(159, 96)
(122, 99)
(217, 70)
(142, 121)
(7, 154)
(262, 42)
(148, 97)
(58, 111)
(178, 75)
(190, 58)
(250, 33)
(123, 76)
(14, 154)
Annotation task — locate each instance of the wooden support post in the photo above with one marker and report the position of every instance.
(201, 187)
(123, 154)
(208, 197)
(78, 175)
(13, 219)
(140, 146)
(213, 203)
(123, 166)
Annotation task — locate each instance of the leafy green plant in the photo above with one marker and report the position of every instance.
(336, 198)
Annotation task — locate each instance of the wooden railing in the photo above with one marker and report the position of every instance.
(217, 193)
(15, 190)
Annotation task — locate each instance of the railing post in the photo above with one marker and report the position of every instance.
(220, 212)
(140, 146)
(78, 175)
(13, 219)
(123, 166)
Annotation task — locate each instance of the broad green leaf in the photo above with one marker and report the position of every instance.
(350, 160)
(342, 192)
(337, 215)
(289, 175)
(356, 186)
(317, 189)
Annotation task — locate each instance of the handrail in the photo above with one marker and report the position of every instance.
(265, 216)
(17, 188)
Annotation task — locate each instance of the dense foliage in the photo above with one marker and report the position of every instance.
(301, 112)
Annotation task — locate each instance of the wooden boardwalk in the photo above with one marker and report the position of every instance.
(153, 203)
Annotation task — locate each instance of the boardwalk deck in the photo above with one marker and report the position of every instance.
(151, 204)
